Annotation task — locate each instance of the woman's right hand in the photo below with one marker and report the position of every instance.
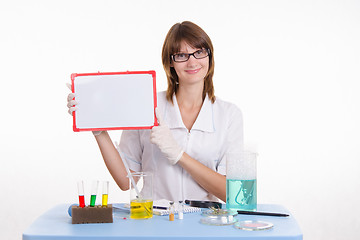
(71, 103)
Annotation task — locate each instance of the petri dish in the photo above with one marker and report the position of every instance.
(251, 225)
(218, 217)
(219, 212)
(218, 220)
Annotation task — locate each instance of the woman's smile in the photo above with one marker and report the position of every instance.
(192, 71)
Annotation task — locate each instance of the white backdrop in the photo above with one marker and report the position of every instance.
(291, 66)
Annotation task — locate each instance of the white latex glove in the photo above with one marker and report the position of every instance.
(72, 106)
(162, 137)
(71, 103)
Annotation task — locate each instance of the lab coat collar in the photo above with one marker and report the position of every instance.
(204, 121)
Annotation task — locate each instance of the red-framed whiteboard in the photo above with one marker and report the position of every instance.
(114, 100)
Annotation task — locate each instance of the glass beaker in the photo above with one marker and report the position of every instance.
(241, 189)
(141, 195)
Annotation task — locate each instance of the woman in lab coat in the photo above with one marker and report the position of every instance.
(186, 152)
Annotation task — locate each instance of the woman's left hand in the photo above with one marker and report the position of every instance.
(162, 137)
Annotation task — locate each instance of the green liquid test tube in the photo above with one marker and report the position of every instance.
(92, 200)
(93, 193)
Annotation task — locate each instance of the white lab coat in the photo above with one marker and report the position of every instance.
(217, 129)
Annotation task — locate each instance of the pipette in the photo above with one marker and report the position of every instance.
(81, 194)
(128, 171)
(131, 177)
(93, 193)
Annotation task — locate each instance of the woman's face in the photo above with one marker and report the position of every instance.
(192, 71)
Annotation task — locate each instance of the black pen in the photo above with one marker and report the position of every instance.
(263, 213)
(158, 207)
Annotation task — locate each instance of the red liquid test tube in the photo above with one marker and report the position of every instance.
(81, 194)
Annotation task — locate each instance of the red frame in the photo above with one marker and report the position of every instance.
(152, 72)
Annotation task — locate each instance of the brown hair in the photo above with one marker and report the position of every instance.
(193, 35)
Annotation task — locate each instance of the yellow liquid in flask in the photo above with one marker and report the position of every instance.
(141, 208)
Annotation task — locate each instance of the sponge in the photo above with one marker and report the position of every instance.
(97, 214)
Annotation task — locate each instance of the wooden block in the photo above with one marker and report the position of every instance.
(97, 214)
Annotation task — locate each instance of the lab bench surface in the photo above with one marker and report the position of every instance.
(56, 224)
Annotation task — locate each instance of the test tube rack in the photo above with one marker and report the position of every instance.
(96, 214)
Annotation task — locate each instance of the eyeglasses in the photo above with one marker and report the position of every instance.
(183, 57)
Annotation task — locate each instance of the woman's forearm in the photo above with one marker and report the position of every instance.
(112, 160)
(210, 180)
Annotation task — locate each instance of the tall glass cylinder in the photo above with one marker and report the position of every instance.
(241, 185)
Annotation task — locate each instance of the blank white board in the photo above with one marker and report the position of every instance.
(119, 100)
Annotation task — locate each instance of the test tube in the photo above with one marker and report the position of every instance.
(171, 211)
(81, 194)
(93, 193)
(105, 192)
(181, 210)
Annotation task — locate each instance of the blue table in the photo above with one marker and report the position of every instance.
(55, 224)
